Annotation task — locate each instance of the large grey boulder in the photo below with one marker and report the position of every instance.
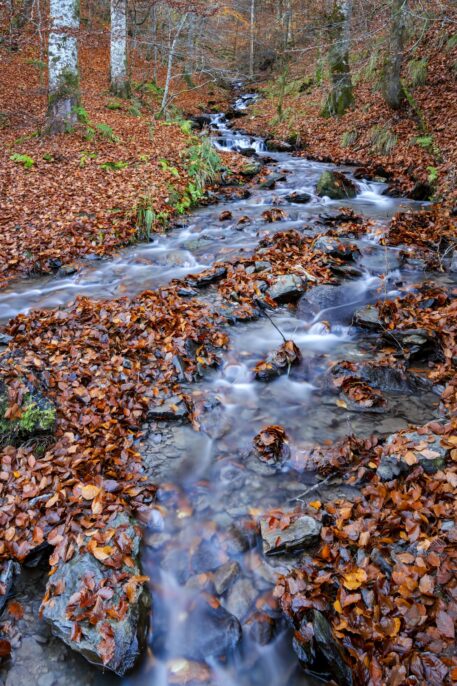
(303, 532)
(336, 186)
(100, 612)
(368, 317)
(286, 288)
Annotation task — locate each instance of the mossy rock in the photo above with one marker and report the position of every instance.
(37, 417)
(336, 186)
(251, 169)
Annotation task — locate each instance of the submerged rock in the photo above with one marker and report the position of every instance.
(278, 146)
(278, 362)
(271, 181)
(209, 632)
(286, 288)
(241, 598)
(336, 186)
(91, 611)
(299, 197)
(336, 247)
(225, 576)
(301, 533)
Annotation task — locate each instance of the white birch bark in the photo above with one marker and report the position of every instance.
(63, 75)
(252, 40)
(118, 49)
(171, 55)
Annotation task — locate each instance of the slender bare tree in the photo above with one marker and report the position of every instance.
(120, 84)
(63, 73)
(392, 86)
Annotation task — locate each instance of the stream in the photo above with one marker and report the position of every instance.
(210, 484)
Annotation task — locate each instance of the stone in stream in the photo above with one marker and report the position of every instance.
(9, 570)
(226, 215)
(420, 450)
(301, 533)
(331, 650)
(36, 416)
(171, 408)
(271, 181)
(299, 197)
(368, 317)
(278, 146)
(417, 343)
(207, 278)
(225, 576)
(336, 247)
(336, 186)
(208, 631)
(278, 362)
(286, 288)
(114, 643)
(250, 169)
(241, 598)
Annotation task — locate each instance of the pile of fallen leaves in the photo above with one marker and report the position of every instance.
(272, 444)
(384, 575)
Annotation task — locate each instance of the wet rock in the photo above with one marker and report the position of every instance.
(346, 271)
(301, 533)
(422, 191)
(262, 628)
(243, 220)
(251, 169)
(262, 266)
(225, 576)
(226, 215)
(241, 598)
(207, 557)
(417, 343)
(271, 448)
(209, 632)
(9, 570)
(201, 120)
(5, 339)
(128, 634)
(336, 217)
(37, 416)
(182, 672)
(331, 650)
(271, 181)
(453, 264)
(207, 278)
(278, 146)
(278, 362)
(68, 270)
(336, 186)
(368, 318)
(300, 198)
(430, 455)
(286, 288)
(171, 408)
(335, 247)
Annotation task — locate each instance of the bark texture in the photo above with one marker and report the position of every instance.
(341, 97)
(120, 84)
(63, 74)
(393, 90)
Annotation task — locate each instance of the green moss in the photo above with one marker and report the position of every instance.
(38, 416)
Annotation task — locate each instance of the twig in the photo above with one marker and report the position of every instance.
(312, 488)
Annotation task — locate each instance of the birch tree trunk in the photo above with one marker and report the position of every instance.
(63, 74)
(341, 97)
(120, 84)
(392, 87)
(252, 40)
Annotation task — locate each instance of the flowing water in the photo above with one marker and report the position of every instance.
(210, 482)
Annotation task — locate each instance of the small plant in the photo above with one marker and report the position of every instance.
(349, 138)
(26, 161)
(48, 157)
(85, 157)
(424, 141)
(383, 140)
(150, 87)
(166, 167)
(186, 127)
(113, 105)
(38, 64)
(114, 166)
(81, 114)
(144, 158)
(107, 132)
(432, 175)
(451, 43)
(135, 109)
(417, 70)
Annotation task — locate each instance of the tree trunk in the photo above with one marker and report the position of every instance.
(392, 87)
(171, 55)
(120, 84)
(252, 40)
(63, 88)
(341, 97)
